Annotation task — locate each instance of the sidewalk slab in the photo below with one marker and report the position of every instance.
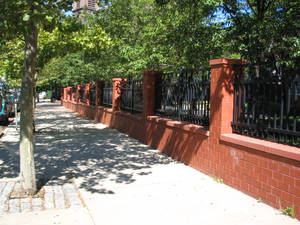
(177, 194)
(50, 217)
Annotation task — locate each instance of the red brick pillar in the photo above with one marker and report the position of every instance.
(99, 86)
(149, 92)
(65, 93)
(62, 94)
(222, 95)
(116, 98)
(73, 94)
(87, 93)
(78, 93)
(69, 93)
(62, 97)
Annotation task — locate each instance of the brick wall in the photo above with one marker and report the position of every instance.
(259, 168)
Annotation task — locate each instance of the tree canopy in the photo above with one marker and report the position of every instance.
(263, 29)
(124, 38)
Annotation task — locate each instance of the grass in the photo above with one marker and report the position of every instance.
(217, 179)
(260, 200)
(289, 211)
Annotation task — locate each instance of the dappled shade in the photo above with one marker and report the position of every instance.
(70, 147)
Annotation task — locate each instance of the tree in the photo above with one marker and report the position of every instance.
(262, 30)
(160, 35)
(70, 53)
(11, 59)
(22, 19)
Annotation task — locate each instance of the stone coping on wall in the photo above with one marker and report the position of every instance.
(282, 150)
(121, 113)
(105, 109)
(179, 124)
(86, 105)
(130, 116)
(160, 120)
(77, 103)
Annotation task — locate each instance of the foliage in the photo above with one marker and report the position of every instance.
(12, 57)
(71, 56)
(263, 29)
(124, 38)
(150, 36)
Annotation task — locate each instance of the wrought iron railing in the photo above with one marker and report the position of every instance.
(267, 102)
(107, 95)
(184, 96)
(92, 95)
(82, 94)
(132, 96)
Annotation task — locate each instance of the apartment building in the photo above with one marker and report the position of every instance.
(80, 6)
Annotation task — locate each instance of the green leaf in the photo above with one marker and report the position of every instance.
(49, 18)
(26, 17)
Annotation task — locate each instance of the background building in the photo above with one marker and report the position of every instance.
(80, 6)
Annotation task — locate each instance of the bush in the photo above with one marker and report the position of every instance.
(48, 95)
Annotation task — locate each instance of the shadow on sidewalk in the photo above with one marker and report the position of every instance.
(70, 147)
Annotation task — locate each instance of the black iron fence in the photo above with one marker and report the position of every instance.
(267, 102)
(184, 96)
(107, 95)
(132, 96)
(92, 95)
(82, 94)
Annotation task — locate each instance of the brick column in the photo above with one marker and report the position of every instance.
(73, 94)
(222, 95)
(149, 92)
(65, 94)
(69, 93)
(116, 98)
(87, 93)
(99, 86)
(78, 93)
(62, 94)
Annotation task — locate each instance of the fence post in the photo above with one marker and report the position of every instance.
(99, 86)
(79, 93)
(149, 92)
(222, 95)
(116, 95)
(73, 95)
(65, 94)
(87, 93)
(62, 94)
(69, 93)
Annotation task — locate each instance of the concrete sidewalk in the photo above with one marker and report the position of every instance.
(121, 181)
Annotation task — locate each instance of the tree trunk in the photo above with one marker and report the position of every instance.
(27, 169)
